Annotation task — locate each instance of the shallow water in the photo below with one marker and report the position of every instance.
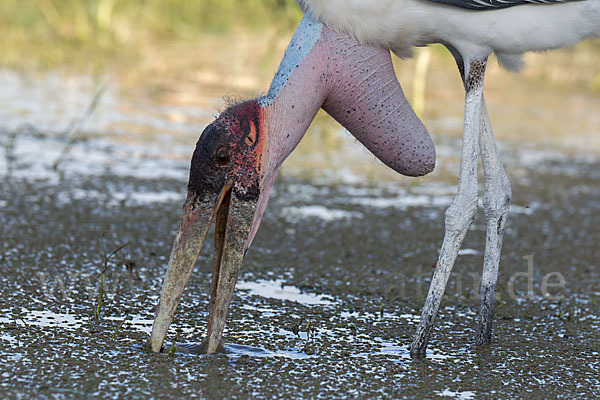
(331, 290)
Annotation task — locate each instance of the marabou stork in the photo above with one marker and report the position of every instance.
(470, 29)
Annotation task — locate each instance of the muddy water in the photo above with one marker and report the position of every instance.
(331, 290)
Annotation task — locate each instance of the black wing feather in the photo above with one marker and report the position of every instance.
(485, 5)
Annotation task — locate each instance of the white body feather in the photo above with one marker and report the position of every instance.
(401, 24)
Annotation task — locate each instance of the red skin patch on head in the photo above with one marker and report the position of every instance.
(247, 143)
(231, 149)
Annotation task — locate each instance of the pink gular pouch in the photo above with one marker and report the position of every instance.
(238, 156)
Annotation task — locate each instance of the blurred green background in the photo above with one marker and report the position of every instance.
(92, 35)
(44, 33)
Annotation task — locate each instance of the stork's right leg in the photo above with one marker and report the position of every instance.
(496, 204)
(461, 213)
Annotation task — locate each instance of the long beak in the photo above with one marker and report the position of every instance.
(233, 222)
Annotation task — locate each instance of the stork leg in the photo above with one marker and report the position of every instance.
(496, 204)
(461, 212)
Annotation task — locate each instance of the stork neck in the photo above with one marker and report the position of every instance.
(296, 93)
(356, 84)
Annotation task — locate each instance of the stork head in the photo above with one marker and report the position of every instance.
(226, 186)
(229, 162)
(229, 155)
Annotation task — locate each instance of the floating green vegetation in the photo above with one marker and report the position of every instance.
(97, 312)
(173, 347)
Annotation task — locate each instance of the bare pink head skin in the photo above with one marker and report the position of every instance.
(238, 156)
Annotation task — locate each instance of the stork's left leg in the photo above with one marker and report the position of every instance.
(496, 204)
(461, 212)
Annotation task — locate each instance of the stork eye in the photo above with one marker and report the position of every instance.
(222, 157)
(252, 134)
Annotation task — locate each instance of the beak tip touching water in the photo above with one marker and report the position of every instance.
(233, 218)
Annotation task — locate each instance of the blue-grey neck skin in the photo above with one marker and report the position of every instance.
(306, 36)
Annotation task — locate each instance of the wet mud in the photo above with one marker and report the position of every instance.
(329, 295)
